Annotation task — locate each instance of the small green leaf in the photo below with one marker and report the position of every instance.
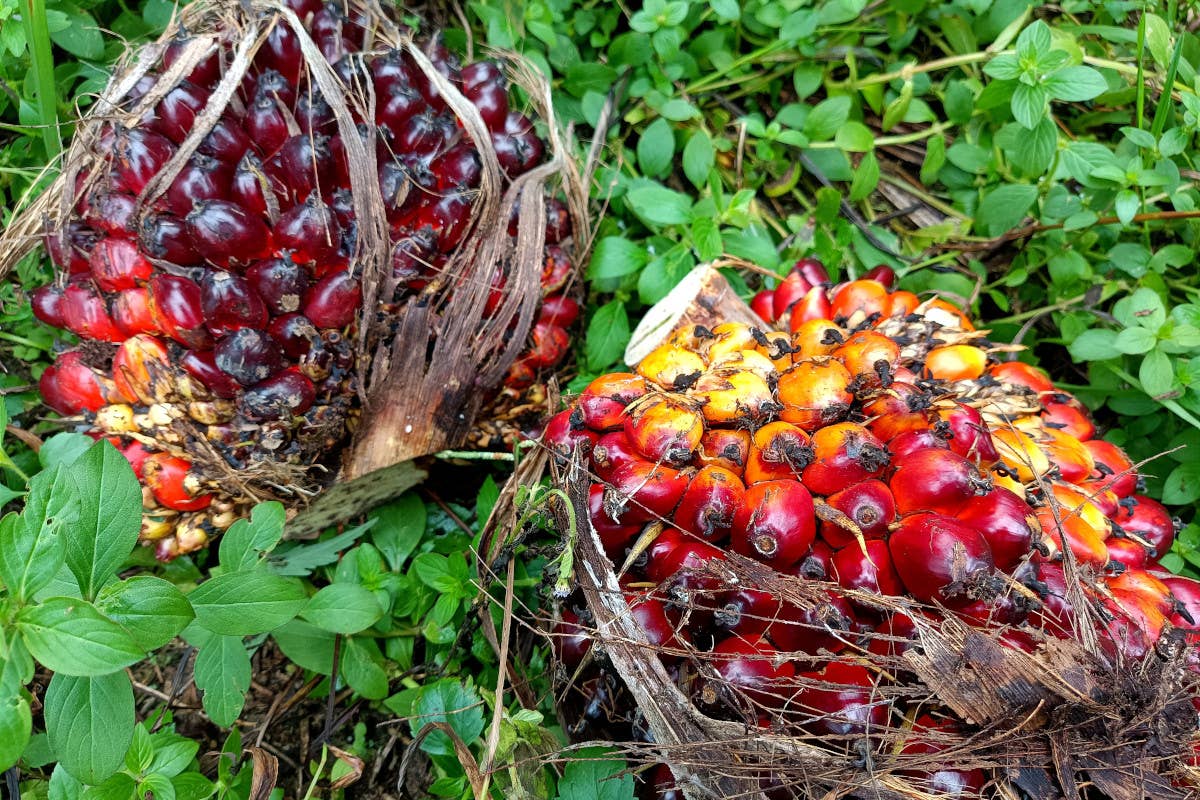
(307, 645)
(678, 110)
(1182, 486)
(451, 702)
(172, 753)
(1132, 341)
(1097, 344)
(615, 257)
(31, 545)
(866, 177)
(243, 545)
(153, 610)
(1004, 66)
(698, 158)
(343, 608)
(81, 37)
(656, 148)
(141, 752)
(829, 115)
(246, 603)
(398, 528)
(361, 670)
(222, 672)
(659, 206)
(607, 335)
(1003, 208)
(855, 137)
(1029, 104)
(935, 159)
(89, 721)
(594, 774)
(1127, 205)
(446, 574)
(1075, 84)
(1157, 373)
(1034, 40)
(69, 636)
(16, 725)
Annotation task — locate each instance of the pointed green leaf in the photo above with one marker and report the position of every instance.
(246, 603)
(222, 672)
(153, 610)
(343, 608)
(110, 516)
(243, 545)
(32, 545)
(69, 636)
(90, 723)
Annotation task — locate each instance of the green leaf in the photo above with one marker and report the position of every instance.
(70, 636)
(172, 753)
(1029, 104)
(593, 774)
(1075, 84)
(607, 335)
(361, 669)
(829, 115)
(64, 449)
(1127, 205)
(246, 603)
(302, 559)
(855, 137)
(451, 702)
(1157, 372)
(110, 517)
(587, 77)
(117, 787)
(1133, 341)
(678, 110)
(243, 545)
(31, 545)
(89, 721)
(1003, 208)
(16, 725)
(1004, 67)
(398, 529)
(153, 610)
(157, 786)
(343, 608)
(81, 38)
(659, 206)
(307, 645)
(222, 672)
(866, 177)
(64, 786)
(1158, 39)
(935, 159)
(1097, 344)
(698, 158)
(445, 574)
(656, 148)
(1182, 486)
(1034, 40)
(140, 752)
(615, 257)
(726, 10)
(1174, 142)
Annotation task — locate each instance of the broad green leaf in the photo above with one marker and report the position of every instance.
(90, 723)
(1132, 341)
(1127, 205)
(1158, 39)
(32, 545)
(615, 257)
(866, 177)
(360, 668)
(157, 786)
(69, 636)
(222, 672)
(1182, 486)
(398, 528)
(81, 37)
(446, 574)
(172, 753)
(110, 516)
(243, 545)
(607, 335)
(678, 110)
(698, 158)
(595, 774)
(16, 724)
(1157, 373)
(246, 603)
(63, 785)
(64, 449)
(827, 117)
(1034, 40)
(140, 752)
(656, 148)
(153, 610)
(118, 787)
(193, 786)
(659, 206)
(1004, 207)
(1029, 104)
(448, 701)
(855, 137)
(1004, 66)
(343, 608)
(1097, 344)
(1075, 84)
(307, 645)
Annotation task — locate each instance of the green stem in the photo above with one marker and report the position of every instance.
(1130, 69)
(916, 69)
(900, 138)
(6, 462)
(12, 337)
(1024, 315)
(37, 32)
(1140, 96)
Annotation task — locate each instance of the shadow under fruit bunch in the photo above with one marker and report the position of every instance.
(219, 280)
(879, 450)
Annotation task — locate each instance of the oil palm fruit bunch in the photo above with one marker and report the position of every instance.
(218, 283)
(883, 448)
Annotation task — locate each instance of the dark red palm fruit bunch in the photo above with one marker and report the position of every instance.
(878, 445)
(217, 314)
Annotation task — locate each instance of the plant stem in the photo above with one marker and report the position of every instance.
(916, 69)
(37, 33)
(1024, 315)
(900, 138)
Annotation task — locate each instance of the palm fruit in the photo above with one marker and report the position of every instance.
(219, 304)
(889, 453)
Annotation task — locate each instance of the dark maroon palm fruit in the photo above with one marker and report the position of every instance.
(881, 273)
(1006, 522)
(559, 310)
(205, 73)
(116, 264)
(249, 184)
(936, 556)
(611, 452)
(841, 700)
(753, 668)
(564, 432)
(307, 165)
(1003, 609)
(746, 612)
(393, 68)
(303, 8)
(309, 230)
(341, 160)
(659, 784)
(813, 271)
(558, 221)
(86, 314)
(397, 105)
(938, 481)
(226, 233)
(517, 146)
(775, 523)
(341, 201)
(646, 491)
(817, 564)
(412, 256)
(931, 736)
(280, 53)
(202, 178)
(869, 571)
(164, 237)
(614, 534)
(868, 504)
(249, 356)
(481, 72)
(295, 333)
(709, 503)
(266, 125)
(570, 640)
(202, 365)
(229, 302)
(280, 282)
(111, 212)
(448, 217)
(69, 249)
(825, 625)
(422, 134)
(273, 84)
(132, 313)
(286, 394)
(971, 438)
(458, 166)
(334, 300)
(176, 113)
(491, 100)
(138, 156)
(177, 309)
(1147, 519)
(47, 305)
(912, 441)
(313, 114)
(651, 616)
(227, 141)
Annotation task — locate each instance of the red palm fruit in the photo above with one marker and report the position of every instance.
(202, 365)
(841, 700)
(709, 503)
(900, 408)
(914, 441)
(972, 439)
(559, 310)
(52, 394)
(651, 616)
(1056, 615)
(604, 400)
(1128, 552)
(763, 304)
(688, 568)
(570, 640)
(746, 612)
(870, 357)
(111, 212)
(614, 533)
(665, 428)
(176, 305)
(202, 178)
(227, 140)
(1072, 531)
(1117, 472)
(791, 290)
(491, 99)
(69, 248)
(932, 736)
(935, 554)
(1003, 609)
(775, 523)
(1006, 522)
(956, 362)
(77, 387)
(1074, 461)
(857, 301)
(205, 73)
(869, 505)
(935, 480)
(136, 454)
(814, 305)
(280, 282)
(285, 394)
(778, 451)
(882, 274)
(548, 346)
(1144, 585)
(846, 453)
(296, 335)
(822, 626)
(306, 165)
(755, 669)
(648, 491)
(139, 367)
(397, 105)
(309, 230)
(86, 315)
(176, 113)
(813, 271)
(1149, 520)
(894, 636)
(227, 234)
(1018, 373)
(131, 312)
(250, 185)
(173, 483)
(138, 155)
(1070, 418)
(47, 304)
(612, 451)
(164, 237)
(229, 303)
(565, 431)
(815, 338)
(817, 563)
(815, 393)
(116, 264)
(726, 448)
(557, 269)
(333, 301)
(869, 571)
(1186, 592)
(248, 356)
(518, 148)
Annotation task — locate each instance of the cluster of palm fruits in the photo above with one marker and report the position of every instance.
(218, 308)
(875, 443)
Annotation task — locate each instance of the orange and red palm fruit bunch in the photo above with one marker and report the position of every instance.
(952, 477)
